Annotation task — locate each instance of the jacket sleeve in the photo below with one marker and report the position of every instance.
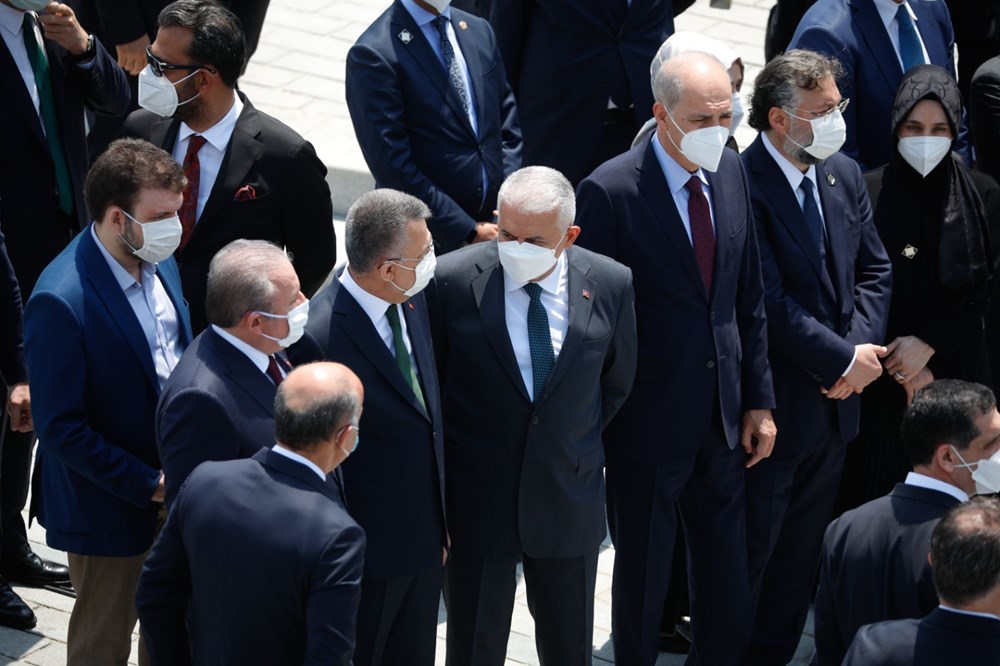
(308, 224)
(620, 361)
(872, 277)
(105, 86)
(334, 597)
(12, 365)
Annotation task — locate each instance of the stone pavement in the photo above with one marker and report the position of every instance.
(297, 75)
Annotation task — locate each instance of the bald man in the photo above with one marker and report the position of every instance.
(282, 507)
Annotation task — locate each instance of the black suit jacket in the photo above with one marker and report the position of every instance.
(412, 127)
(874, 566)
(216, 405)
(394, 481)
(984, 116)
(700, 355)
(292, 206)
(12, 366)
(940, 638)
(816, 312)
(28, 206)
(561, 57)
(523, 476)
(257, 564)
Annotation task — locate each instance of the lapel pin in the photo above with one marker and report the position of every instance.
(830, 178)
(405, 36)
(586, 294)
(463, 25)
(909, 251)
(411, 306)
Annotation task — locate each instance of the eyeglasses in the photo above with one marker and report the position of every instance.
(820, 114)
(418, 259)
(159, 66)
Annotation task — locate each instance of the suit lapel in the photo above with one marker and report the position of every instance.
(833, 218)
(581, 289)
(723, 229)
(243, 372)
(163, 133)
(17, 94)
(925, 23)
(873, 32)
(172, 285)
(488, 292)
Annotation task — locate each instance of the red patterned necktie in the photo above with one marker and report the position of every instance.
(192, 171)
(273, 371)
(702, 234)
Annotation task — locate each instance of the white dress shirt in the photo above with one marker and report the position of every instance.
(555, 299)
(929, 482)
(887, 12)
(210, 156)
(988, 616)
(677, 177)
(375, 308)
(256, 356)
(292, 455)
(154, 310)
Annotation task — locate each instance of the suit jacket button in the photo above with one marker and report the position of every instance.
(710, 365)
(534, 420)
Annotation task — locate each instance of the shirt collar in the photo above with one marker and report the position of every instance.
(421, 15)
(122, 276)
(957, 611)
(292, 455)
(11, 19)
(218, 134)
(550, 283)
(923, 481)
(792, 173)
(256, 356)
(676, 175)
(373, 306)
(887, 11)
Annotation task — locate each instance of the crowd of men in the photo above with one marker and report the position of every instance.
(570, 306)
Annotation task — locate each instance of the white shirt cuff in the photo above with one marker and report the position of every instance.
(851, 364)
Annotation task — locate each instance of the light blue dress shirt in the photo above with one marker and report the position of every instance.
(677, 177)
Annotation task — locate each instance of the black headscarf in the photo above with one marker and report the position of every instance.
(963, 251)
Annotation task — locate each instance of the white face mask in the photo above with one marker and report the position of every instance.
(986, 475)
(524, 262)
(923, 153)
(439, 5)
(424, 273)
(829, 133)
(738, 113)
(159, 95)
(159, 238)
(702, 146)
(30, 5)
(297, 318)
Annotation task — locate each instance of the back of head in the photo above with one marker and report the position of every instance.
(779, 83)
(125, 168)
(683, 70)
(216, 35)
(537, 190)
(965, 552)
(945, 411)
(376, 226)
(684, 41)
(240, 280)
(313, 403)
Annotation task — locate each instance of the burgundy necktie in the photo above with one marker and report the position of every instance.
(192, 171)
(273, 371)
(702, 234)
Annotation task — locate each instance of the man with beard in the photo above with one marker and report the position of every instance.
(249, 175)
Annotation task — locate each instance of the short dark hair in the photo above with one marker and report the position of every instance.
(376, 226)
(779, 83)
(124, 169)
(944, 411)
(308, 423)
(965, 551)
(216, 35)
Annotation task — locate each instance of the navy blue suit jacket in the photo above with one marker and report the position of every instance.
(700, 355)
(527, 477)
(874, 566)
(12, 366)
(94, 390)
(561, 57)
(942, 637)
(852, 32)
(217, 405)
(816, 314)
(394, 481)
(412, 128)
(258, 563)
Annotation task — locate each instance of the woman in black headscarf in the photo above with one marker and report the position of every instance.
(934, 216)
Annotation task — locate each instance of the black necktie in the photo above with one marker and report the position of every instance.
(814, 222)
(543, 357)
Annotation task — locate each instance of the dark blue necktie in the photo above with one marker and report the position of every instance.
(910, 51)
(450, 62)
(814, 221)
(540, 341)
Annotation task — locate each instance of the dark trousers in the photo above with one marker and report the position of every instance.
(481, 602)
(397, 620)
(708, 489)
(15, 474)
(790, 499)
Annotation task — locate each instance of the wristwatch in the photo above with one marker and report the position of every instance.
(89, 52)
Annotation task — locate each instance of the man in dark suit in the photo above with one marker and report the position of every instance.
(965, 627)
(700, 409)
(877, 41)
(874, 563)
(536, 346)
(373, 319)
(103, 330)
(827, 282)
(434, 115)
(45, 92)
(219, 401)
(264, 544)
(580, 72)
(249, 175)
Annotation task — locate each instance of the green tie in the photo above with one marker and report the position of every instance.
(47, 106)
(403, 356)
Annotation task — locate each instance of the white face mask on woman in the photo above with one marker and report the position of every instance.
(923, 153)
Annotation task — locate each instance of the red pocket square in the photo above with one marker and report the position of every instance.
(245, 193)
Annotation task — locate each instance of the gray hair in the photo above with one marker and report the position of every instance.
(782, 79)
(239, 280)
(668, 81)
(376, 226)
(684, 41)
(538, 190)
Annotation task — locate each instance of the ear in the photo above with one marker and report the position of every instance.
(660, 113)
(778, 120)
(252, 320)
(945, 458)
(387, 271)
(571, 235)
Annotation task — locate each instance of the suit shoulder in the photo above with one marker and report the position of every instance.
(465, 261)
(138, 124)
(844, 165)
(378, 32)
(277, 137)
(984, 183)
(606, 268)
(619, 167)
